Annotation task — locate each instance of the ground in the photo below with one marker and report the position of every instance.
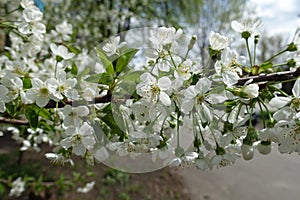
(165, 184)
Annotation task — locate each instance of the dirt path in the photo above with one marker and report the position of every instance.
(274, 177)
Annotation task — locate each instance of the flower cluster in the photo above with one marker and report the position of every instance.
(96, 105)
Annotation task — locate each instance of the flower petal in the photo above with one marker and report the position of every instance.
(164, 83)
(164, 98)
(296, 88)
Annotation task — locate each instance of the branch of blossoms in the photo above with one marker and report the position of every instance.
(278, 76)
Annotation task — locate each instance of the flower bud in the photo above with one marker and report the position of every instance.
(251, 90)
(291, 63)
(192, 42)
(246, 34)
(264, 147)
(247, 151)
(256, 39)
(292, 47)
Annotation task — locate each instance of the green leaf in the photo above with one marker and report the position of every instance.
(106, 79)
(73, 69)
(44, 113)
(86, 71)
(128, 86)
(10, 108)
(32, 117)
(109, 119)
(27, 83)
(94, 78)
(265, 66)
(133, 76)
(124, 59)
(2, 189)
(106, 62)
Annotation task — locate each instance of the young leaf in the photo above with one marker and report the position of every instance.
(133, 76)
(26, 83)
(124, 59)
(32, 117)
(106, 62)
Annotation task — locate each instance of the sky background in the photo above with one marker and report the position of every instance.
(279, 16)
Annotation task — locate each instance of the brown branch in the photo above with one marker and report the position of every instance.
(14, 121)
(278, 76)
(53, 104)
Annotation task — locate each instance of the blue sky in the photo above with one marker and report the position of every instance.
(280, 16)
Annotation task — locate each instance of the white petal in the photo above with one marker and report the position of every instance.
(190, 92)
(164, 83)
(82, 111)
(237, 26)
(164, 98)
(187, 105)
(296, 88)
(36, 83)
(3, 92)
(207, 112)
(42, 101)
(279, 102)
(203, 85)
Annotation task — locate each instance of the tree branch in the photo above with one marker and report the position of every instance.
(14, 121)
(103, 99)
(278, 76)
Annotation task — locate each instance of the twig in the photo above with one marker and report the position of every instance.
(14, 121)
(278, 76)
(103, 99)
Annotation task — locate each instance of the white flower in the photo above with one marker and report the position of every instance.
(153, 89)
(288, 135)
(66, 86)
(184, 70)
(80, 139)
(15, 86)
(195, 97)
(88, 187)
(163, 36)
(217, 41)
(18, 186)
(246, 26)
(32, 24)
(112, 46)
(61, 51)
(41, 92)
(72, 115)
(252, 90)
(62, 31)
(229, 67)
